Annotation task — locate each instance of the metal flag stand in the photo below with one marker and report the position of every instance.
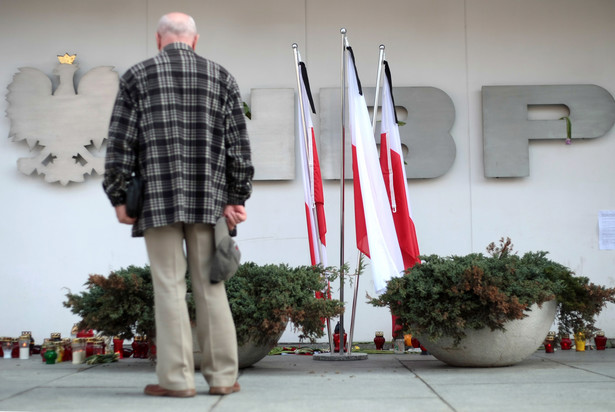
(349, 355)
(308, 150)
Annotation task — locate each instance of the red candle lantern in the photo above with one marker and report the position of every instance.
(44, 348)
(136, 347)
(67, 355)
(144, 347)
(336, 339)
(336, 342)
(118, 346)
(89, 333)
(378, 340)
(89, 347)
(15, 349)
(550, 344)
(566, 343)
(600, 340)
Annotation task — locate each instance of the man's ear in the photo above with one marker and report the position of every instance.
(196, 39)
(159, 41)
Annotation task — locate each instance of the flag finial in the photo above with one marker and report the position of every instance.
(343, 30)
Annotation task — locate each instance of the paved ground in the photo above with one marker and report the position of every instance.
(563, 381)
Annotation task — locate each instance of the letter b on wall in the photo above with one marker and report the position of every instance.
(507, 130)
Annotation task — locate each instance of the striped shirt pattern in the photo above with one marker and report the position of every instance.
(178, 118)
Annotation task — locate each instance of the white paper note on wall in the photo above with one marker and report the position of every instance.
(606, 229)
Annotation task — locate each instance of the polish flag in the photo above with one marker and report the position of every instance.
(312, 180)
(375, 229)
(394, 173)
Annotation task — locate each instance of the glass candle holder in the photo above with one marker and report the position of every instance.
(89, 333)
(24, 347)
(550, 344)
(565, 343)
(29, 334)
(408, 340)
(379, 340)
(399, 346)
(98, 347)
(51, 355)
(136, 347)
(15, 349)
(44, 348)
(67, 356)
(89, 347)
(600, 340)
(78, 350)
(118, 346)
(336, 342)
(144, 347)
(579, 341)
(7, 347)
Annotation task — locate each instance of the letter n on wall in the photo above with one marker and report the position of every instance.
(507, 130)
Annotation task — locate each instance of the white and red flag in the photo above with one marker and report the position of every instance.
(394, 174)
(312, 180)
(375, 229)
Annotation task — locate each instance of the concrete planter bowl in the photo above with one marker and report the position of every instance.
(249, 353)
(486, 348)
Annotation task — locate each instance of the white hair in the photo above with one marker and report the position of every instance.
(177, 24)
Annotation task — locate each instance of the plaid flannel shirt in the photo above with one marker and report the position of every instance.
(178, 119)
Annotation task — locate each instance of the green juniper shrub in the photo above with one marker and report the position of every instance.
(262, 299)
(121, 304)
(444, 296)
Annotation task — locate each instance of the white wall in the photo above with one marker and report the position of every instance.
(52, 237)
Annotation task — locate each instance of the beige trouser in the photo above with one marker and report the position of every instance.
(215, 327)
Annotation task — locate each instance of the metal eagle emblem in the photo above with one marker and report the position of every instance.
(63, 126)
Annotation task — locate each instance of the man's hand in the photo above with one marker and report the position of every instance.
(234, 215)
(122, 217)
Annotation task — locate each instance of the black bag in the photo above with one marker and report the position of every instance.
(134, 196)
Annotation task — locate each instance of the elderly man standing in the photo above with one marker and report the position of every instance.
(178, 122)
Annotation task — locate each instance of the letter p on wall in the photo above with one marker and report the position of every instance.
(507, 130)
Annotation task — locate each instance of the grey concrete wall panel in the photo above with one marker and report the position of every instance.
(272, 133)
(507, 130)
(429, 148)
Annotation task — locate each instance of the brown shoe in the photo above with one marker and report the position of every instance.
(224, 390)
(157, 390)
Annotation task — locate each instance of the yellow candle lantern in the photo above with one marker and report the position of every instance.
(579, 341)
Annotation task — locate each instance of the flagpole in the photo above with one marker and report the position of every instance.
(308, 147)
(351, 356)
(388, 148)
(342, 181)
(378, 80)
